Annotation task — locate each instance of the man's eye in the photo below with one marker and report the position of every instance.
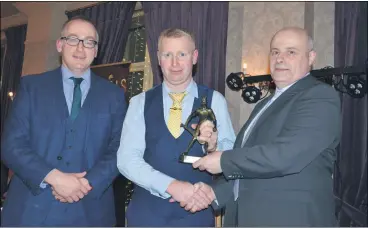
(182, 54)
(72, 38)
(91, 42)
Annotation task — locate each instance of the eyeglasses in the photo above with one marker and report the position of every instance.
(179, 55)
(74, 41)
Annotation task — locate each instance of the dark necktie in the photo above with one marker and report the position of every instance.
(77, 97)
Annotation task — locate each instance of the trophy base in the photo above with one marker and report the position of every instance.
(188, 159)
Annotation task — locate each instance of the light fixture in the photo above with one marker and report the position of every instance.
(235, 81)
(356, 87)
(11, 95)
(245, 82)
(349, 79)
(251, 94)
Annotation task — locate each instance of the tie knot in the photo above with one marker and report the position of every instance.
(177, 97)
(77, 81)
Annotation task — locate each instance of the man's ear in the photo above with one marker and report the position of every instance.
(158, 57)
(312, 57)
(59, 45)
(96, 51)
(195, 56)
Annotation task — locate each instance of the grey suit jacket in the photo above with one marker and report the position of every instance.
(285, 167)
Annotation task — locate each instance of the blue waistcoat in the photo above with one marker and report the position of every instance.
(162, 153)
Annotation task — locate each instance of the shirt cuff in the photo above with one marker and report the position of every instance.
(43, 184)
(164, 183)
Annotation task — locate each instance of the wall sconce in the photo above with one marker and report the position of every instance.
(11, 95)
(244, 68)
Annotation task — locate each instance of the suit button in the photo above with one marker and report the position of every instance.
(71, 130)
(69, 147)
(59, 157)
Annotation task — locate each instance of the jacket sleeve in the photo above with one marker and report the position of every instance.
(16, 150)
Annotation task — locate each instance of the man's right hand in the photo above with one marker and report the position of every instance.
(180, 191)
(202, 198)
(185, 193)
(67, 185)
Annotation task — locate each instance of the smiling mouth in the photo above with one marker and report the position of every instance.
(278, 69)
(176, 71)
(79, 57)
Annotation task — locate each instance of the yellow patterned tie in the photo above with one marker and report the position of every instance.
(175, 114)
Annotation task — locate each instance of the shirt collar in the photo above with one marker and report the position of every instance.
(280, 91)
(191, 89)
(66, 73)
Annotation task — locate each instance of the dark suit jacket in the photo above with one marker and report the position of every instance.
(35, 134)
(285, 166)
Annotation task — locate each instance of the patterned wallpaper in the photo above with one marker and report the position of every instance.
(262, 20)
(324, 19)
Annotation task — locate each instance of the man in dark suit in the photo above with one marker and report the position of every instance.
(279, 172)
(61, 139)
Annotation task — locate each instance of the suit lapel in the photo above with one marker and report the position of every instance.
(301, 85)
(257, 108)
(56, 88)
(93, 97)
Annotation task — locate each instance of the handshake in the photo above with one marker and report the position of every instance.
(68, 187)
(191, 197)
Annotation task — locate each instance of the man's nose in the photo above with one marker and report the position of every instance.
(80, 46)
(280, 58)
(174, 60)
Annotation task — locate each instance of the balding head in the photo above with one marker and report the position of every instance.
(291, 55)
(302, 32)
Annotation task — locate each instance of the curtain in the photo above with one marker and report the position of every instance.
(207, 21)
(11, 71)
(112, 20)
(351, 176)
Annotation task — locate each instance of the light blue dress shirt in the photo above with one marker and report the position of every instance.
(130, 160)
(68, 87)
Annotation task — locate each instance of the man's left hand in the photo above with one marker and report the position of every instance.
(207, 135)
(210, 163)
(82, 180)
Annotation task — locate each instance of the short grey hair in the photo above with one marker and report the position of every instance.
(79, 18)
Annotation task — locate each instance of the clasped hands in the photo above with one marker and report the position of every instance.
(191, 197)
(68, 187)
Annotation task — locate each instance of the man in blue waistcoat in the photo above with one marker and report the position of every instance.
(61, 139)
(152, 140)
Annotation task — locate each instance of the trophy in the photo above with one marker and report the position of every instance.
(203, 113)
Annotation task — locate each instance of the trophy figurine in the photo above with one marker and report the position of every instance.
(203, 113)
